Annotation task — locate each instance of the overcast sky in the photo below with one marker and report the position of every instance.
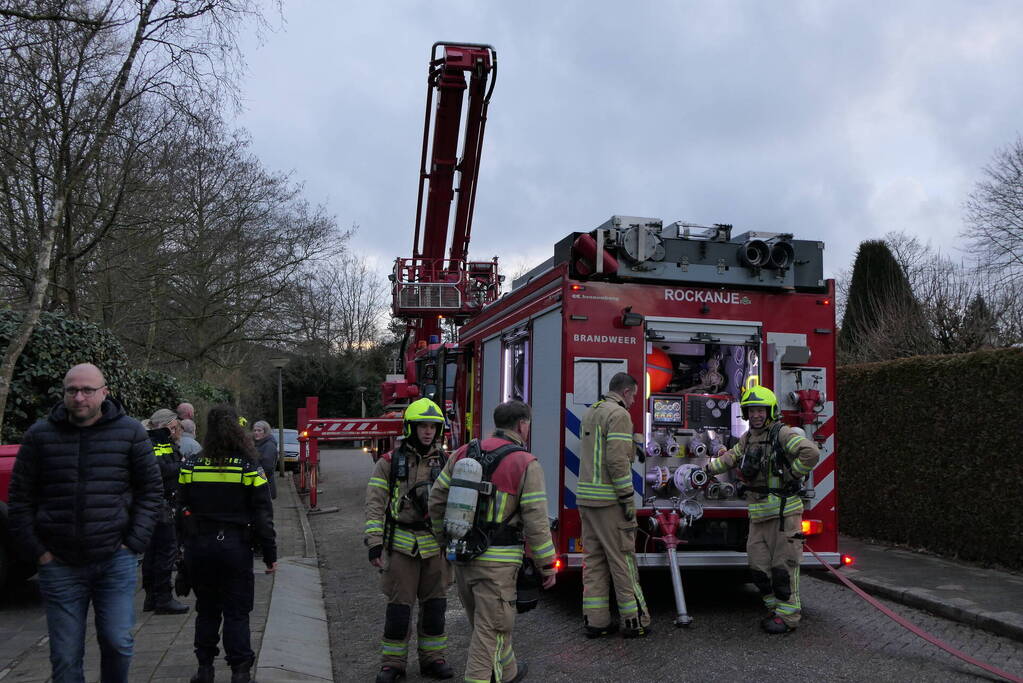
(837, 121)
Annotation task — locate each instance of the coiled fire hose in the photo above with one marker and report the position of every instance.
(913, 628)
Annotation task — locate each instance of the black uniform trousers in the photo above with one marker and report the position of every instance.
(220, 569)
(158, 564)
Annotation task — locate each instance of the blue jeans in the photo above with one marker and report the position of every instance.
(67, 590)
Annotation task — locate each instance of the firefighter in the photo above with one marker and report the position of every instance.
(607, 511)
(513, 514)
(772, 459)
(401, 544)
(162, 552)
(225, 510)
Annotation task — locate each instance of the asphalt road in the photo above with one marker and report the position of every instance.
(842, 637)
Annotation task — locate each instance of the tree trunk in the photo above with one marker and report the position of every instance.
(35, 306)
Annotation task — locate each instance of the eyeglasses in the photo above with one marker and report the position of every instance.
(87, 392)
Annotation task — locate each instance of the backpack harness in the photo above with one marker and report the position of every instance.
(400, 472)
(485, 534)
(780, 465)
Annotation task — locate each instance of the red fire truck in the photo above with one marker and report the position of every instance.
(695, 311)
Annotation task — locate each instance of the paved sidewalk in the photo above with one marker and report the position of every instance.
(288, 623)
(985, 598)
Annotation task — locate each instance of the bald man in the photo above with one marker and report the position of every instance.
(87, 544)
(185, 411)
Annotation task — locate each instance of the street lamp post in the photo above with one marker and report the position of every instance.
(362, 398)
(279, 363)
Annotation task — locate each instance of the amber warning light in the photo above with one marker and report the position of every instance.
(812, 527)
(848, 560)
(557, 565)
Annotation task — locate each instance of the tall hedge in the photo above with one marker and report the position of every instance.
(58, 343)
(930, 453)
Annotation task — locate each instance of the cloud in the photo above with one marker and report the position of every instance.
(835, 121)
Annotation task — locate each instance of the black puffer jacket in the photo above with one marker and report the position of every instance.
(82, 492)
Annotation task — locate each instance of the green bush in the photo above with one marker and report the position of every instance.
(928, 454)
(56, 344)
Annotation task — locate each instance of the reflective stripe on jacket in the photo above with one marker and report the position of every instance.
(380, 498)
(606, 454)
(803, 456)
(519, 498)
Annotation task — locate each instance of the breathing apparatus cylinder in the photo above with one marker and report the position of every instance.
(461, 508)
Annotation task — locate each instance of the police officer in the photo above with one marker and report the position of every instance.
(162, 552)
(225, 508)
(401, 544)
(608, 514)
(772, 459)
(514, 514)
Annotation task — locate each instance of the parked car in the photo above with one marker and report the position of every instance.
(12, 568)
(290, 448)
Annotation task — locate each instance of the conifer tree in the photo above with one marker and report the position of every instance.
(882, 317)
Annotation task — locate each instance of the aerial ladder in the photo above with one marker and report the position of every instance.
(429, 288)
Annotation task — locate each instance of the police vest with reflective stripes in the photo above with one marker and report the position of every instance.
(205, 473)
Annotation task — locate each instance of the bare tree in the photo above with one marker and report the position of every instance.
(994, 215)
(234, 238)
(64, 86)
(340, 307)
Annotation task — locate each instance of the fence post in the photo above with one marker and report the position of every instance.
(311, 405)
(303, 453)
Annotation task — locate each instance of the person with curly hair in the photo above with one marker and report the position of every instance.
(226, 507)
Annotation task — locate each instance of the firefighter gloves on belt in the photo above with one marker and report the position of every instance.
(628, 508)
(375, 552)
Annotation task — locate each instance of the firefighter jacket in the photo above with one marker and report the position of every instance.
(605, 467)
(774, 489)
(396, 502)
(519, 501)
(231, 494)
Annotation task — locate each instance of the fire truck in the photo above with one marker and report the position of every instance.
(695, 313)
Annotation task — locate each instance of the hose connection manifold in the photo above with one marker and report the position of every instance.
(658, 477)
(689, 479)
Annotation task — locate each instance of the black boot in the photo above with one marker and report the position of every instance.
(520, 675)
(634, 629)
(776, 626)
(242, 673)
(389, 674)
(204, 674)
(150, 604)
(598, 631)
(169, 605)
(438, 668)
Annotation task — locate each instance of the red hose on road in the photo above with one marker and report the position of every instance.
(913, 627)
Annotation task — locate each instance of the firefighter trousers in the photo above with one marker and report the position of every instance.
(487, 590)
(609, 556)
(774, 557)
(405, 580)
